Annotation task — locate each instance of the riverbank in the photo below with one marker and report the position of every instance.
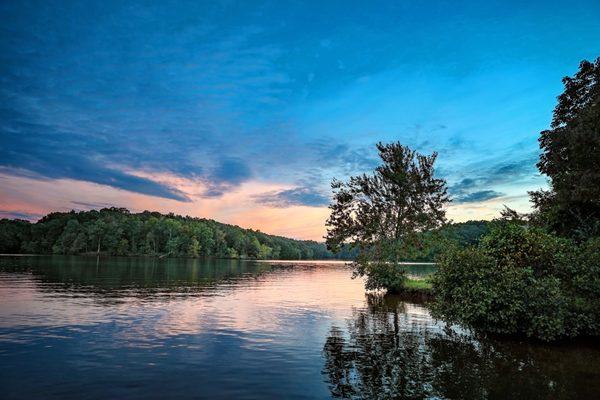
(421, 289)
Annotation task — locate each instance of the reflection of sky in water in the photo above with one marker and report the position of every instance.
(69, 326)
(212, 329)
(218, 335)
(180, 324)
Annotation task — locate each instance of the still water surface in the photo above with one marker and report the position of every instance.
(75, 327)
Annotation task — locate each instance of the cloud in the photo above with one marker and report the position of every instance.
(92, 205)
(79, 168)
(512, 170)
(217, 93)
(331, 153)
(78, 104)
(291, 197)
(478, 196)
(232, 171)
(478, 187)
(229, 173)
(19, 215)
(463, 186)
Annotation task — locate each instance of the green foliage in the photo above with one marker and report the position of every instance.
(116, 231)
(418, 285)
(570, 158)
(433, 243)
(466, 233)
(521, 280)
(387, 214)
(193, 249)
(381, 274)
(13, 234)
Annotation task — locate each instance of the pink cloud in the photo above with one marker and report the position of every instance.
(237, 206)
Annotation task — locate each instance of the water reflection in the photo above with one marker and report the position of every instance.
(414, 270)
(122, 275)
(144, 328)
(73, 327)
(385, 355)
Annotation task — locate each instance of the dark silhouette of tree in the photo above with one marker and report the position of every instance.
(571, 158)
(384, 214)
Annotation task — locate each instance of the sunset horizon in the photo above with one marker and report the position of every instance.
(231, 113)
(298, 199)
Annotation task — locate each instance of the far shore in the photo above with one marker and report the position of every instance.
(162, 257)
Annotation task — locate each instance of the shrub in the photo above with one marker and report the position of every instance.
(586, 286)
(520, 280)
(381, 275)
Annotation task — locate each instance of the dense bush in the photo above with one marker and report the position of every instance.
(381, 274)
(521, 280)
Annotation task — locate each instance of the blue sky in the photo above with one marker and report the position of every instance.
(180, 106)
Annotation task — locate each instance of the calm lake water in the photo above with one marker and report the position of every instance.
(74, 327)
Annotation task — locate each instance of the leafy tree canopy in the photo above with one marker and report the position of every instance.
(571, 158)
(385, 214)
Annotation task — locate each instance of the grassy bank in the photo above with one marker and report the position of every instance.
(421, 286)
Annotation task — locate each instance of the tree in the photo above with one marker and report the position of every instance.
(79, 244)
(13, 235)
(379, 356)
(97, 231)
(571, 156)
(265, 252)
(253, 248)
(116, 231)
(67, 238)
(193, 248)
(385, 214)
(172, 246)
(122, 247)
(289, 252)
(133, 229)
(204, 236)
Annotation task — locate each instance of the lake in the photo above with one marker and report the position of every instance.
(142, 328)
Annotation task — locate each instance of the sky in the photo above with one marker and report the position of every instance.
(244, 111)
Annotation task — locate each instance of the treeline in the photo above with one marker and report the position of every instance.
(116, 231)
(459, 234)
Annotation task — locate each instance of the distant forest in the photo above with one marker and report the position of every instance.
(116, 231)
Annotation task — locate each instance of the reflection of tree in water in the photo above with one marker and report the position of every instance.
(118, 277)
(381, 357)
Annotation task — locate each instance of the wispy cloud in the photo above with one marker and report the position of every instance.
(19, 215)
(83, 205)
(488, 174)
(229, 173)
(292, 197)
(179, 105)
(172, 106)
(478, 196)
